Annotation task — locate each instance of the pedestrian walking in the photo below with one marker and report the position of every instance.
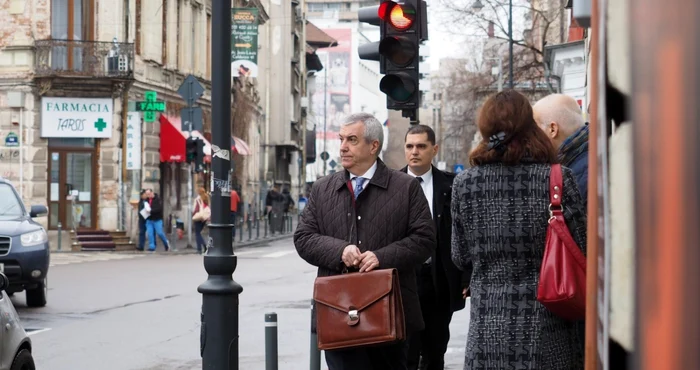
(442, 287)
(560, 117)
(154, 222)
(500, 219)
(364, 218)
(142, 221)
(274, 208)
(201, 216)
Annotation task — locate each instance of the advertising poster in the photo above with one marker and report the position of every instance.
(244, 42)
(331, 100)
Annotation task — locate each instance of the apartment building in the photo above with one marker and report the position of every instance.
(71, 75)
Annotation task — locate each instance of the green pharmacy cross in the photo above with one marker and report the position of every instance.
(150, 106)
(100, 125)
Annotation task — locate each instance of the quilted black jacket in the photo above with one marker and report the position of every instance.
(390, 217)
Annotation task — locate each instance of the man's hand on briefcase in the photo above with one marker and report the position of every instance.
(368, 262)
(351, 256)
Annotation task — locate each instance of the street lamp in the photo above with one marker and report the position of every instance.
(219, 316)
(477, 5)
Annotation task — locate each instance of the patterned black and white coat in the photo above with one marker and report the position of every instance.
(500, 218)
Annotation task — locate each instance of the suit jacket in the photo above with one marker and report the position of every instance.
(385, 219)
(442, 255)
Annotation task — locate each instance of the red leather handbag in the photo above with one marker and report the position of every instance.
(562, 285)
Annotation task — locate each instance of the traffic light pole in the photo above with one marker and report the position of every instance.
(412, 115)
(219, 331)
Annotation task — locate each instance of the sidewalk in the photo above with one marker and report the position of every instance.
(180, 245)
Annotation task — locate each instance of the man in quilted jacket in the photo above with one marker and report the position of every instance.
(364, 218)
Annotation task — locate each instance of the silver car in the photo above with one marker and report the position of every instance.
(15, 345)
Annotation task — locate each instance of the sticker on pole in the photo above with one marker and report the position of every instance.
(223, 186)
(221, 153)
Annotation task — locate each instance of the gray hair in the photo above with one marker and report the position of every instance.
(373, 128)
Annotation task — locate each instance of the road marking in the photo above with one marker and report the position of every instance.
(58, 259)
(31, 332)
(278, 254)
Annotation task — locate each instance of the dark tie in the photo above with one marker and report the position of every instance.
(420, 179)
(358, 185)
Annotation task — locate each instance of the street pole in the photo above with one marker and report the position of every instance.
(325, 112)
(510, 42)
(219, 331)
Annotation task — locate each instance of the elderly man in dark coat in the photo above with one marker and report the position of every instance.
(368, 217)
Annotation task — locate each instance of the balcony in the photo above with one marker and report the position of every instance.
(84, 59)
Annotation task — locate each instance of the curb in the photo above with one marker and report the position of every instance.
(236, 246)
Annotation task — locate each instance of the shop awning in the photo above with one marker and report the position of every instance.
(239, 146)
(172, 140)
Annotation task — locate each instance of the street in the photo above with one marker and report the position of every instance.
(139, 311)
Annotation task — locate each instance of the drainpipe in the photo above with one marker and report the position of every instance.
(125, 108)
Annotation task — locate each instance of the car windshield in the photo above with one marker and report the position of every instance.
(10, 206)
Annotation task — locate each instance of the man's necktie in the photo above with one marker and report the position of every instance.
(358, 185)
(420, 179)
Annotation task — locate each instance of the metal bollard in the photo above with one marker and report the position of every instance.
(257, 227)
(240, 230)
(315, 353)
(250, 227)
(265, 227)
(59, 236)
(271, 341)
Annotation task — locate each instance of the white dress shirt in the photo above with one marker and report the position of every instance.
(367, 176)
(427, 185)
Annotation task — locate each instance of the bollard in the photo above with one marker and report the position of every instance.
(315, 353)
(271, 341)
(250, 227)
(265, 227)
(257, 226)
(59, 236)
(240, 229)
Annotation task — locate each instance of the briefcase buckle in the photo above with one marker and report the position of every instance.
(353, 317)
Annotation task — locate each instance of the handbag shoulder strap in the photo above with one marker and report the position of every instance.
(555, 186)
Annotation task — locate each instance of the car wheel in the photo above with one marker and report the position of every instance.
(23, 361)
(37, 297)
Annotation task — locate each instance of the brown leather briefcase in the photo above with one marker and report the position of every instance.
(359, 309)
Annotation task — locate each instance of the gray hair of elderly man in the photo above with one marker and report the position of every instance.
(373, 128)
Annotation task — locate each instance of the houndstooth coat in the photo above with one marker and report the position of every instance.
(499, 224)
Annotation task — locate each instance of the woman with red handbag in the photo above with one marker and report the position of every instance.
(501, 211)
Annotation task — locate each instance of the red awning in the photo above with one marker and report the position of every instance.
(172, 140)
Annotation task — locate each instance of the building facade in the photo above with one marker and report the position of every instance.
(72, 74)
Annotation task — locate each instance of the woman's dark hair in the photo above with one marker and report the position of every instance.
(509, 112)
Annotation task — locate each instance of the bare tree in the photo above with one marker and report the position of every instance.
(535, 23)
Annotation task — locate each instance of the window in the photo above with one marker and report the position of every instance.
(70, 20)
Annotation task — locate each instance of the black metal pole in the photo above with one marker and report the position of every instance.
(219, 332)
(510, 42)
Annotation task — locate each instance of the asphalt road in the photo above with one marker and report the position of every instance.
(122, 312)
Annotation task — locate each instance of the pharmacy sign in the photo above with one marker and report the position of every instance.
(76, 117)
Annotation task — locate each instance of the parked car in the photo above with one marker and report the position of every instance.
(24, 246)
(15, 345)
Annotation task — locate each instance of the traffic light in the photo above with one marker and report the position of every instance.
(191, 149)
(403, 25)
(199, 157)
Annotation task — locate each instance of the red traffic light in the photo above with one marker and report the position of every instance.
(399, 16)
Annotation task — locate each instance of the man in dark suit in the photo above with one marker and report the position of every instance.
(142, 221)
(442, 288)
